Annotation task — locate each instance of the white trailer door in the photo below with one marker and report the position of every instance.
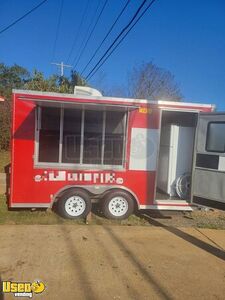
(208, 180)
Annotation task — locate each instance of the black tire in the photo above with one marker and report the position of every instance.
(66, 208)
(125, 201)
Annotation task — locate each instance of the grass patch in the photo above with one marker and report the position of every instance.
(48, 217)
(211, 220)
(26, 216)
(210, 225)
(199, 219)
(4, 160)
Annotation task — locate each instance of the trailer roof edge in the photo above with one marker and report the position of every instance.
(116, 99)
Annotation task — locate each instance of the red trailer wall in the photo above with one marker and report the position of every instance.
(25, 191)
(33, 187)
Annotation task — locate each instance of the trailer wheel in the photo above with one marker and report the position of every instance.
(74, 204)
(118, 205)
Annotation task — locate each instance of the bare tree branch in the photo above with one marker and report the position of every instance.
(151, 82)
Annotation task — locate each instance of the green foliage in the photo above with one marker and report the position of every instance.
(39, 83)
(19, 78)
(54, 83)
(5, 123)
(10, 77)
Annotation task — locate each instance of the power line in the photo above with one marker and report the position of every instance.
(118, 36)
(96, 68)
(109, 31)
(57, 28)
(90, 35)
(21, 18)
(142, 14)
(78, 31)
(87, 31)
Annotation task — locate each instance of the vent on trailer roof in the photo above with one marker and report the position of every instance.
(86, 91)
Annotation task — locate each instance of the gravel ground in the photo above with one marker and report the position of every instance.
(213, 219)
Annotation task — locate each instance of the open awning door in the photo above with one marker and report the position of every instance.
(208, 180)
(89, 105)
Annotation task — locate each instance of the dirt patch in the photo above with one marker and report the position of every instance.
(115, 262)
(4, 160)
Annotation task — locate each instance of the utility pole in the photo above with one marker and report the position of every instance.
(62, 66)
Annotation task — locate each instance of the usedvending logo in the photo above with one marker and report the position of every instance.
(23, 289)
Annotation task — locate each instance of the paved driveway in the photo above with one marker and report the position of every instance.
(115, 262)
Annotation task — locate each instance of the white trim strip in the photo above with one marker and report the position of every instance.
(69, 166)
(181, 104)
(12, 152)
(157, 207)
(82, 137)
(171, 202)
(125, 137)
(37, 133)
(31, 205)
(167, 207)
(61, 134)
(103, 137)
(221, 166)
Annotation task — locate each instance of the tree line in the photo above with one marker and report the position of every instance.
(146, 81)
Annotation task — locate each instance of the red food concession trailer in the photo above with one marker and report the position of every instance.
(70, 150)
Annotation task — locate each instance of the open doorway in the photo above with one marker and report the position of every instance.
(176, 155)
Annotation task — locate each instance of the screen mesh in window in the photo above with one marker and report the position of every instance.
(93, 126)
(49, 135)
(71, 136)
(114, 138)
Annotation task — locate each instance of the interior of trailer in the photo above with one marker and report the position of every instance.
(175, 158)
